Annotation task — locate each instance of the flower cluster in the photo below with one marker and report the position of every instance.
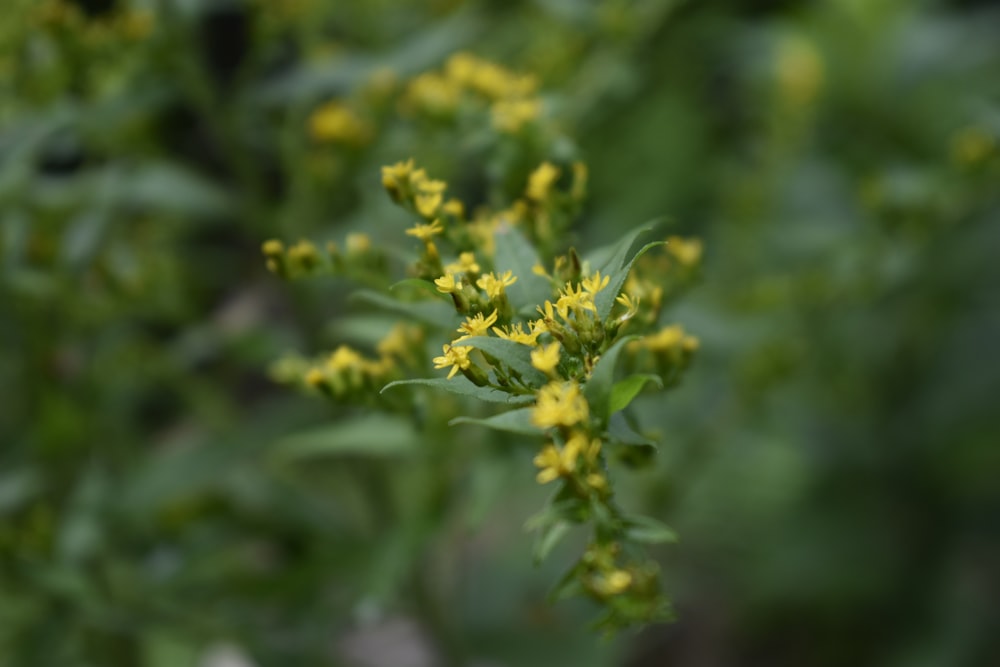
(467, 81)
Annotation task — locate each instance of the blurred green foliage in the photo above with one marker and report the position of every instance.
(831, 461)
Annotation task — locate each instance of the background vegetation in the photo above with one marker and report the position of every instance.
(830, 461)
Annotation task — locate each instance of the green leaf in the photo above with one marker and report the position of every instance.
(420, 285)
(620, 432)
(515, 253)
(648, 530)
(548, 538)
(435, 313)
(605, 299)
(374, 435)
(514, 354)
(462, 386)
(623, 392)
(611, 258)
(515, 421)
(598, 388)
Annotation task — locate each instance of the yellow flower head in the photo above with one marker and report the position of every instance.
(560, 404)
(595, 283)
(448, 284)
(315, 377)
(478, 325)
(631, 306)
(515, 332)
(454, 207)
(510, 116)
(494, 285)
(343, 358)
(456, 357)
(336, 122)
(686, 251)
(541, 181)
(426, 232)
(273, 248)
(396, 176)
(570, 299)
(546, 358)
(466, 264)
(358, 244)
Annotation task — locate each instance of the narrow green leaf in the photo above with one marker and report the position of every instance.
(548, 538)
(623, 392)
(598, 388)
(435, 313)
(515, 253)
(515, 421)
(516, 355)
(462, 386)
(376, 435)
(648, 530)
(611, 258)
(605, 299)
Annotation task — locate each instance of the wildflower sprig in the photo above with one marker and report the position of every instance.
(545, 341)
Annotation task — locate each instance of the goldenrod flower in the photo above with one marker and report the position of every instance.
(494, 285)
(540, 181)
(466, 264)
(595, 283)
(448, 284)
(358, 243)
(343, 359)
(396, 177)
(336, 122)
(615, 582)
(631, 306)
(478, 325)
(428, 204)
(315, 377)
(454, 207)
(273, 248)
(511, 115)
(546, 358)
(456, 357)
(685, 251)
(560, 404)
(426, 232)
(577, 300)
(516, 333)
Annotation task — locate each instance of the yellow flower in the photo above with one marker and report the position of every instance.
(456, 357)
(336, 122)
(546, 358)
(494, 285)
(466, 264)
(273, 248)
(343, 358)
(541, 181)
(428, 204)
(478, 325)
(426, 232)
(560, 404)
(358, 244)
(574, 300)
(685, 251)
(454, 207)
(631, 306)
(396, 177)
(595, 283)
(516, 333)
(615, 582)
(448, 284)
(315, 377)
(511, 115)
